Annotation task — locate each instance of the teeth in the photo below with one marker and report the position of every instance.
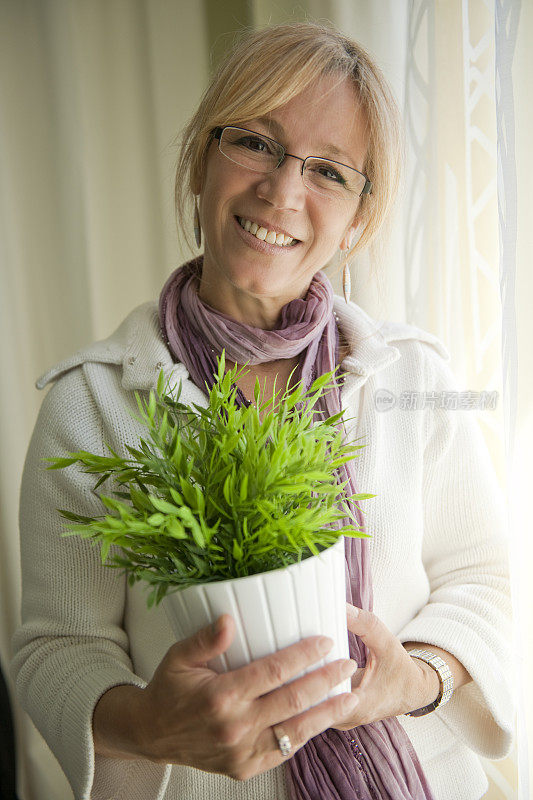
(264, 235)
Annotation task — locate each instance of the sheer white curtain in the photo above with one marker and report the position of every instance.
(92, 94)
(451, 65)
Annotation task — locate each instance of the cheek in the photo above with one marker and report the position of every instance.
(329, 225)
(222, 190)
(327, 233)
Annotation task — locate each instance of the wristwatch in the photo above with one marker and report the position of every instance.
(445, 677)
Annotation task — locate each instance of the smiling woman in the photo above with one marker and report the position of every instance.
(317, 210)
(293, 154)
(249, 87)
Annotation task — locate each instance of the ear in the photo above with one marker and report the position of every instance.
(351, 235)
(196, 184)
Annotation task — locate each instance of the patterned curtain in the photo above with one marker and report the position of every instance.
(457, 219)
(451, 209)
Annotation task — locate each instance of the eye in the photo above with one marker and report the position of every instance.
(329, 172)
(256, 144)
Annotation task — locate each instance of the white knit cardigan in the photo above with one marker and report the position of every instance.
(438, 557)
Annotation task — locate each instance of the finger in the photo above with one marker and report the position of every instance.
(299, 695)
(205, 644)
(272, 671)
(370, 629)
(304, 726)
(283, 741)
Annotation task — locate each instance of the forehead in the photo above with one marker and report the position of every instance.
(325, 119)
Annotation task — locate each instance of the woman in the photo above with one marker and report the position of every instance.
(292, 156)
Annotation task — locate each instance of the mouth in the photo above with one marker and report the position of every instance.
(271, 236)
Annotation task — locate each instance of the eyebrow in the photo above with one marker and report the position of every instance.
(327, 148)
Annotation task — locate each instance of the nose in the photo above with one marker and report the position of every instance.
(283, 188)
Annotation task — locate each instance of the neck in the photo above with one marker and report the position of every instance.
(242, 305)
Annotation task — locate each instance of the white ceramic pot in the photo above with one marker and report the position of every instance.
(271, 610)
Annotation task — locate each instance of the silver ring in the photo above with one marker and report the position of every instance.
(284, 743)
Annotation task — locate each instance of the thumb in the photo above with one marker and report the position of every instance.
(205, 644)
(370, 629)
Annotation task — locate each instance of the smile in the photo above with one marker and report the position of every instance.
(266, 235)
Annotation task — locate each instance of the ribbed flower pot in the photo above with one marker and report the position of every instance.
(271, 610)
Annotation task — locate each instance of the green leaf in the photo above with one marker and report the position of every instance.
(140, 500)
(226, 490)
(188, 492)
(176, 496)
(163, 505)
(200, 500)
(176, 529)
(60, 463)
(100, 481)
(243, 492)
(156, 520)
(75, 517)
(160, 383)
(151, 406)
(257, 390)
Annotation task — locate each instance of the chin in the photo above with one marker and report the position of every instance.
(258, 280)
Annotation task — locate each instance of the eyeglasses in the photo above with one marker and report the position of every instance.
(259, 153)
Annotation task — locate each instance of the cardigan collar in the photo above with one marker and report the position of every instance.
(137, 345)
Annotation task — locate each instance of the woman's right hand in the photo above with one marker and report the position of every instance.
(188, 714)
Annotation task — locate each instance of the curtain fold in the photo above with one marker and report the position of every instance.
(507, 15)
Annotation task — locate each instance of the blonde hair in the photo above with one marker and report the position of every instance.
(265, 70)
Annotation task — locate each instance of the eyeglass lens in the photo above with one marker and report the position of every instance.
(263, 154)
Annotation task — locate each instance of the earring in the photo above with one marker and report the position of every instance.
(346, 282)
(346, 276)
(197, 228)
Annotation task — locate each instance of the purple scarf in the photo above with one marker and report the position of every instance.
(370, 762)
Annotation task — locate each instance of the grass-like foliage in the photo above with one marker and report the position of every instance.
(219, 492)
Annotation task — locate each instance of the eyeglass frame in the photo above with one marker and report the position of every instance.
(217, 134)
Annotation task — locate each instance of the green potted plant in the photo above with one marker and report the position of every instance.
(227, 509)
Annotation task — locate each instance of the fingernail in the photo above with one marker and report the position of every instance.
(348, 668)
(324, 645)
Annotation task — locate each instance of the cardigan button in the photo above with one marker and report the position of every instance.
(131, 360)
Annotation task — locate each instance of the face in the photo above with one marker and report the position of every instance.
(249, 279)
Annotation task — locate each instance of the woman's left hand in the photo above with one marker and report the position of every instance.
(392, 682)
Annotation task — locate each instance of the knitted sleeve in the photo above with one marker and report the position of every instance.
(71, 646)
(466, 561)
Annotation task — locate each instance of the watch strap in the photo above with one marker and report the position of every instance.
(445, 677)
